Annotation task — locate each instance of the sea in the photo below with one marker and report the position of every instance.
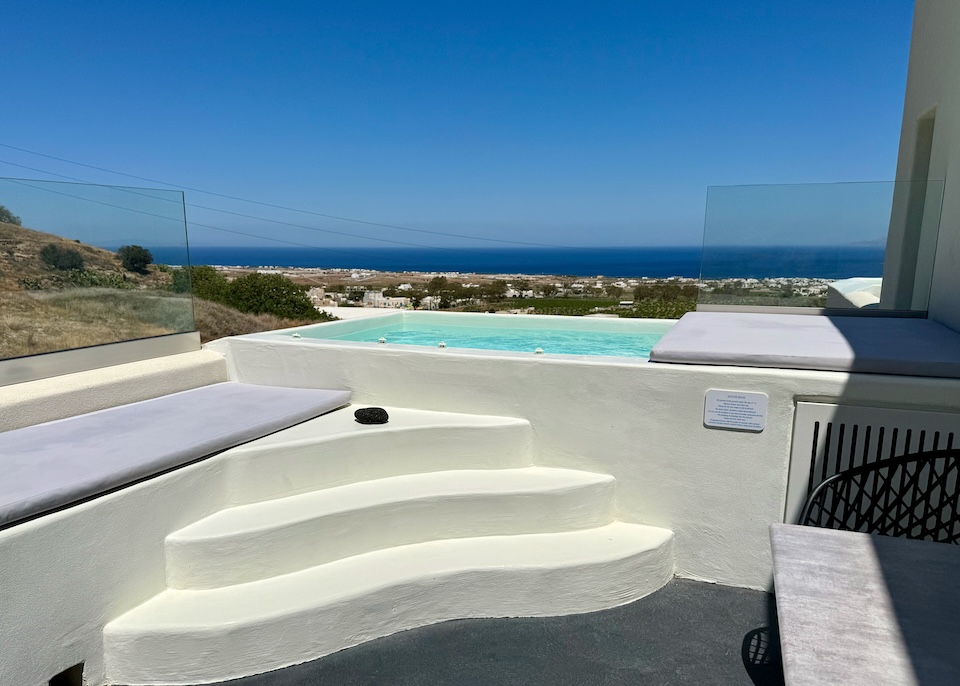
(825, 262)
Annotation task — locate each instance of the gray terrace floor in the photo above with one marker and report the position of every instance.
(687, 633)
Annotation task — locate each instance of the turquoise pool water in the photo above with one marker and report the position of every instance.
(633, 343)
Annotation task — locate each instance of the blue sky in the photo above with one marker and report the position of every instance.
(556, 123)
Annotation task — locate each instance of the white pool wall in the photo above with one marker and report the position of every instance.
(641, 422)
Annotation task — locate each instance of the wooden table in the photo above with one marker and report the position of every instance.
(862, 609)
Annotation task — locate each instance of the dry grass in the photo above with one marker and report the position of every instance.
(40, 322)
(218, 321)
(32, 323)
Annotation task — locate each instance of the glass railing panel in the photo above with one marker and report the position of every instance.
(76, 270)
(845, 245)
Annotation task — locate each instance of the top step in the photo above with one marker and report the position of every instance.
(336, 450)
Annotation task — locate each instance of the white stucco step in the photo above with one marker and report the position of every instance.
(335, 450)
(259, 540)
(191, 637)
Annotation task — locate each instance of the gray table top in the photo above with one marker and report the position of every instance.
(862, 609)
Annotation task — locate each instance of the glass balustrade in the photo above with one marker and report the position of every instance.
(76, 269)
(845, 246)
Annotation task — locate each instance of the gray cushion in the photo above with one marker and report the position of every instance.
(884, 345)
(48, 466)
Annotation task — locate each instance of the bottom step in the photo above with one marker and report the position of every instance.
(194, 637)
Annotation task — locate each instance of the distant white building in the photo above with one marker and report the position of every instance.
(319, 297)
(378, 299)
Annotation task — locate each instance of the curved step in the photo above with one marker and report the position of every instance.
(264, 539)
(190, 637)
(334, 450)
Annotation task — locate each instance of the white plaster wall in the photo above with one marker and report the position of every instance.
(933, 82)
(64, 576)
(641, 422)
(72, 394)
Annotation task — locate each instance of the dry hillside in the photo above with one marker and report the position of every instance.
(218, 321)
(43, 309)
(20, 260)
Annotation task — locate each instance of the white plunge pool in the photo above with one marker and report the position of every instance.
(535, 334)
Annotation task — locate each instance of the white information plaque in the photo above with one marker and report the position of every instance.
(739, 410)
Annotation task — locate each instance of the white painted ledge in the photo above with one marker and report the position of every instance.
(191, 637)
(46, 400)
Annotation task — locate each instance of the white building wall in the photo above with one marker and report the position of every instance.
(933, 89)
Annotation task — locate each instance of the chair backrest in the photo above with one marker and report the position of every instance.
(911, 496)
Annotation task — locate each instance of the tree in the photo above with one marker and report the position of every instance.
(547, 290)
(416, 297)
(270, 294)
(496, 290)
(614, 291)
(8, 216)
(644, 292)
(437, 285)
(135, 258)
(63, 259)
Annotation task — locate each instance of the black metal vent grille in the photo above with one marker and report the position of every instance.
(841, 446)
(830, 438)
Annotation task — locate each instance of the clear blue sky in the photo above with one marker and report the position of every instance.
(561, 123)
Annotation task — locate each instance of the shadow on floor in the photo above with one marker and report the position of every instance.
(760, 650)
(687, 633)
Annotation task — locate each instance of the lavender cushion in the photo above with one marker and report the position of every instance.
(48, 466)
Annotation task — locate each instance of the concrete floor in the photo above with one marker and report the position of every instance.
(687, 633)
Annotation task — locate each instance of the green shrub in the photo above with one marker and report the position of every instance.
(204, 282)
(90, 278)
(30, 284)
(135, 258)
(270, 294)
(661, 309)
(254, 293)
(8, 216)
(59, 258)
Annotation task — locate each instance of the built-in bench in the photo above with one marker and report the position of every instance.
(46, 467)
(879, 345)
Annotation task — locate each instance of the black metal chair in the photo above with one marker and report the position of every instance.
(910, 496)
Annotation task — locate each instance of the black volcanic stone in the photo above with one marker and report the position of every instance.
(371, 415)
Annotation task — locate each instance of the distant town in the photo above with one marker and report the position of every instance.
(332, 288)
